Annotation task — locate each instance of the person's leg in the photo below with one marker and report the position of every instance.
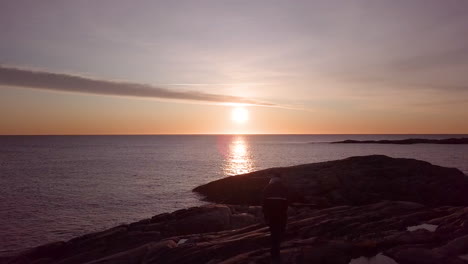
(277, 229)
(275, 241)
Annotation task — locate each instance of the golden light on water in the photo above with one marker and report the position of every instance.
(239, 159)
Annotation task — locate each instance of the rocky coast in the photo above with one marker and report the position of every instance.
(370, 209)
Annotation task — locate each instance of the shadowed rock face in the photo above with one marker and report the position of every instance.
(334, 236)
(351, 181)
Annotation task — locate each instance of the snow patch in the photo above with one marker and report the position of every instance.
(428, 227)
(182, 241)
(377, 259)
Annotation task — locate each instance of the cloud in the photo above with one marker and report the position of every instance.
(72, 83)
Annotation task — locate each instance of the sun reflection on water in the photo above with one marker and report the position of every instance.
(238, 159)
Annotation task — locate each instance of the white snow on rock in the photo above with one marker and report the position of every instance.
(182, 241)
(377, 259)
(428, 227)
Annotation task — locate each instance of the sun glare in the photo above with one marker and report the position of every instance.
(240, 115)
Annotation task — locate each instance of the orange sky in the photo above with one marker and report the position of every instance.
(315, 67)
(67, 113)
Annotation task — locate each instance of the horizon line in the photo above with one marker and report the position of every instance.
(239, 134)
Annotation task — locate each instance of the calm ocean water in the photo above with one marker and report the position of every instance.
(57, 187)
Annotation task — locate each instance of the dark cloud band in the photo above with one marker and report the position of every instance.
(72, 83)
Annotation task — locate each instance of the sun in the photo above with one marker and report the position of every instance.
(240, 115)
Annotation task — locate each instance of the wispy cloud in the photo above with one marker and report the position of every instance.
(78, 84)
(216, 84)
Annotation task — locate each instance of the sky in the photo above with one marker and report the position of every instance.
(180, 67)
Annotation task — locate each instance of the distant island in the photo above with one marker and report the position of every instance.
(454, 141)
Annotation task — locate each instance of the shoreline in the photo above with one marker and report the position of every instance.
(343, 228)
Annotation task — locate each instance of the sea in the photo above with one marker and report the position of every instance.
(54, 188)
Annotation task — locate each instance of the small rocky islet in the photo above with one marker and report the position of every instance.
(369, 209)
(409, 141)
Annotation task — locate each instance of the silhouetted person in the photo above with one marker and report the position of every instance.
(275, 211)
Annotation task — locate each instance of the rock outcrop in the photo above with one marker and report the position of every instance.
(336, 235)
(351, 181)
